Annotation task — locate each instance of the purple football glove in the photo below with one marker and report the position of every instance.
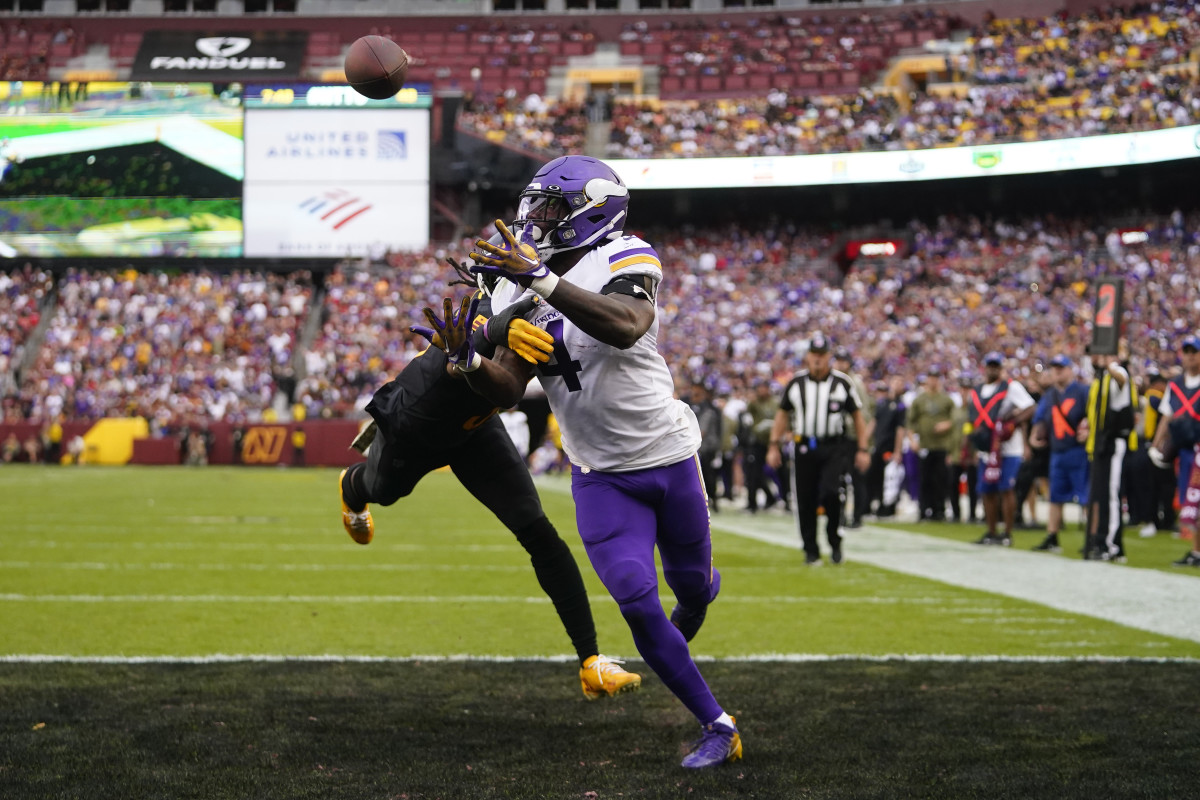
(454, 332)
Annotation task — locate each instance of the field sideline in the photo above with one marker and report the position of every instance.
(178, 562)
(214, 633)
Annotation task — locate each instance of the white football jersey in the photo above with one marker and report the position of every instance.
(1017, 399)
(616, 408)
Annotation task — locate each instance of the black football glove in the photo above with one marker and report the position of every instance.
(511, 329)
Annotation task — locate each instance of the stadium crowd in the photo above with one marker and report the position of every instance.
(965, 287)
(174, 348)
(530, 123)
(21, 295)
(737, 309)
(1107, 71)
(737, 317)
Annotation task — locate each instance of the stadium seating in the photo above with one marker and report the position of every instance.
(22, 293)
(732, 54)
(1022, 78)
(1026, 79)
(220, 346)
(29, 47)
(167, 347)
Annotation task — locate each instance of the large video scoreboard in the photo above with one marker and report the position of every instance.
(211, 170)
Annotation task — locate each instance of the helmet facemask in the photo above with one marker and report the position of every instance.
(556, 218)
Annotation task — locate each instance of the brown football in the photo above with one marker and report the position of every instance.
(376, 67)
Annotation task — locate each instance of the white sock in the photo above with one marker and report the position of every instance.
(724, 719)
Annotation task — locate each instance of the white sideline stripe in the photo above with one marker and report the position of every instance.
(1145, 599)
(372, 566)
(968, 605)
(764, 658)
(266, 598)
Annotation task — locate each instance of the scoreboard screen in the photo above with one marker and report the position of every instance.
(317, 95)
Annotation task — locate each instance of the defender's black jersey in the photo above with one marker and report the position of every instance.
(424, 401)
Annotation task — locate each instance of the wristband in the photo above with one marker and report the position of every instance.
(472, 365)
(544, 285)
(864, 450)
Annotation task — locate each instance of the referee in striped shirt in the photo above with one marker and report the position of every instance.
(812, 420)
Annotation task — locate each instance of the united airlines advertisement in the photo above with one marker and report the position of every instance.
(335, 182)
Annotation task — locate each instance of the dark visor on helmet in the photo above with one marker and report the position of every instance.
(542, 206)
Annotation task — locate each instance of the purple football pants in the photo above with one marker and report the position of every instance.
(621, 517)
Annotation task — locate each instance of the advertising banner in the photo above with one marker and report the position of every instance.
(198, 56)
(978, 161)
(334, 219)
(334, 145)
(335, 183)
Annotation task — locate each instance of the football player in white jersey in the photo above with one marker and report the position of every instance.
(635, 476)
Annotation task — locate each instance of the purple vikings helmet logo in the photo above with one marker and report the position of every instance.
(574, 201)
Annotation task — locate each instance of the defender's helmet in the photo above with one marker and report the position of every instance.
(574, 201)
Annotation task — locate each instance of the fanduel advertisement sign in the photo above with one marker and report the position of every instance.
(182, 56)
(335, 182)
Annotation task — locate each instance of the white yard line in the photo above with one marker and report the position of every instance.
(769, 658)
(965, 606)
(342, 545)
(112, 566)
(1145, 599)
(258, 599)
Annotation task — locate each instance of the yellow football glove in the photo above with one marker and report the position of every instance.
(509, 328)
(530, 342)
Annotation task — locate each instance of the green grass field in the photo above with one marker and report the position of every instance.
(173, 564)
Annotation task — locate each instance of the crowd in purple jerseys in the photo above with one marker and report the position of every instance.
(736, 305)
(173, 348)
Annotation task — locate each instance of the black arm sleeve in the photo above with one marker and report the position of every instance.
(640, 286)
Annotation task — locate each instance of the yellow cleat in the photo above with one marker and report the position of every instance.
(601, 676)
(358, 524)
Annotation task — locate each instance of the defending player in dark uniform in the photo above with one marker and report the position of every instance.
(426, 419)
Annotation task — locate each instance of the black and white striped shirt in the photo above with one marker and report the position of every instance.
(818, 409)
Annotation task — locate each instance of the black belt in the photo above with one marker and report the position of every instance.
(813, 441)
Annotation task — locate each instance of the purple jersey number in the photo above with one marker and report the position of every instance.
(563, 366)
